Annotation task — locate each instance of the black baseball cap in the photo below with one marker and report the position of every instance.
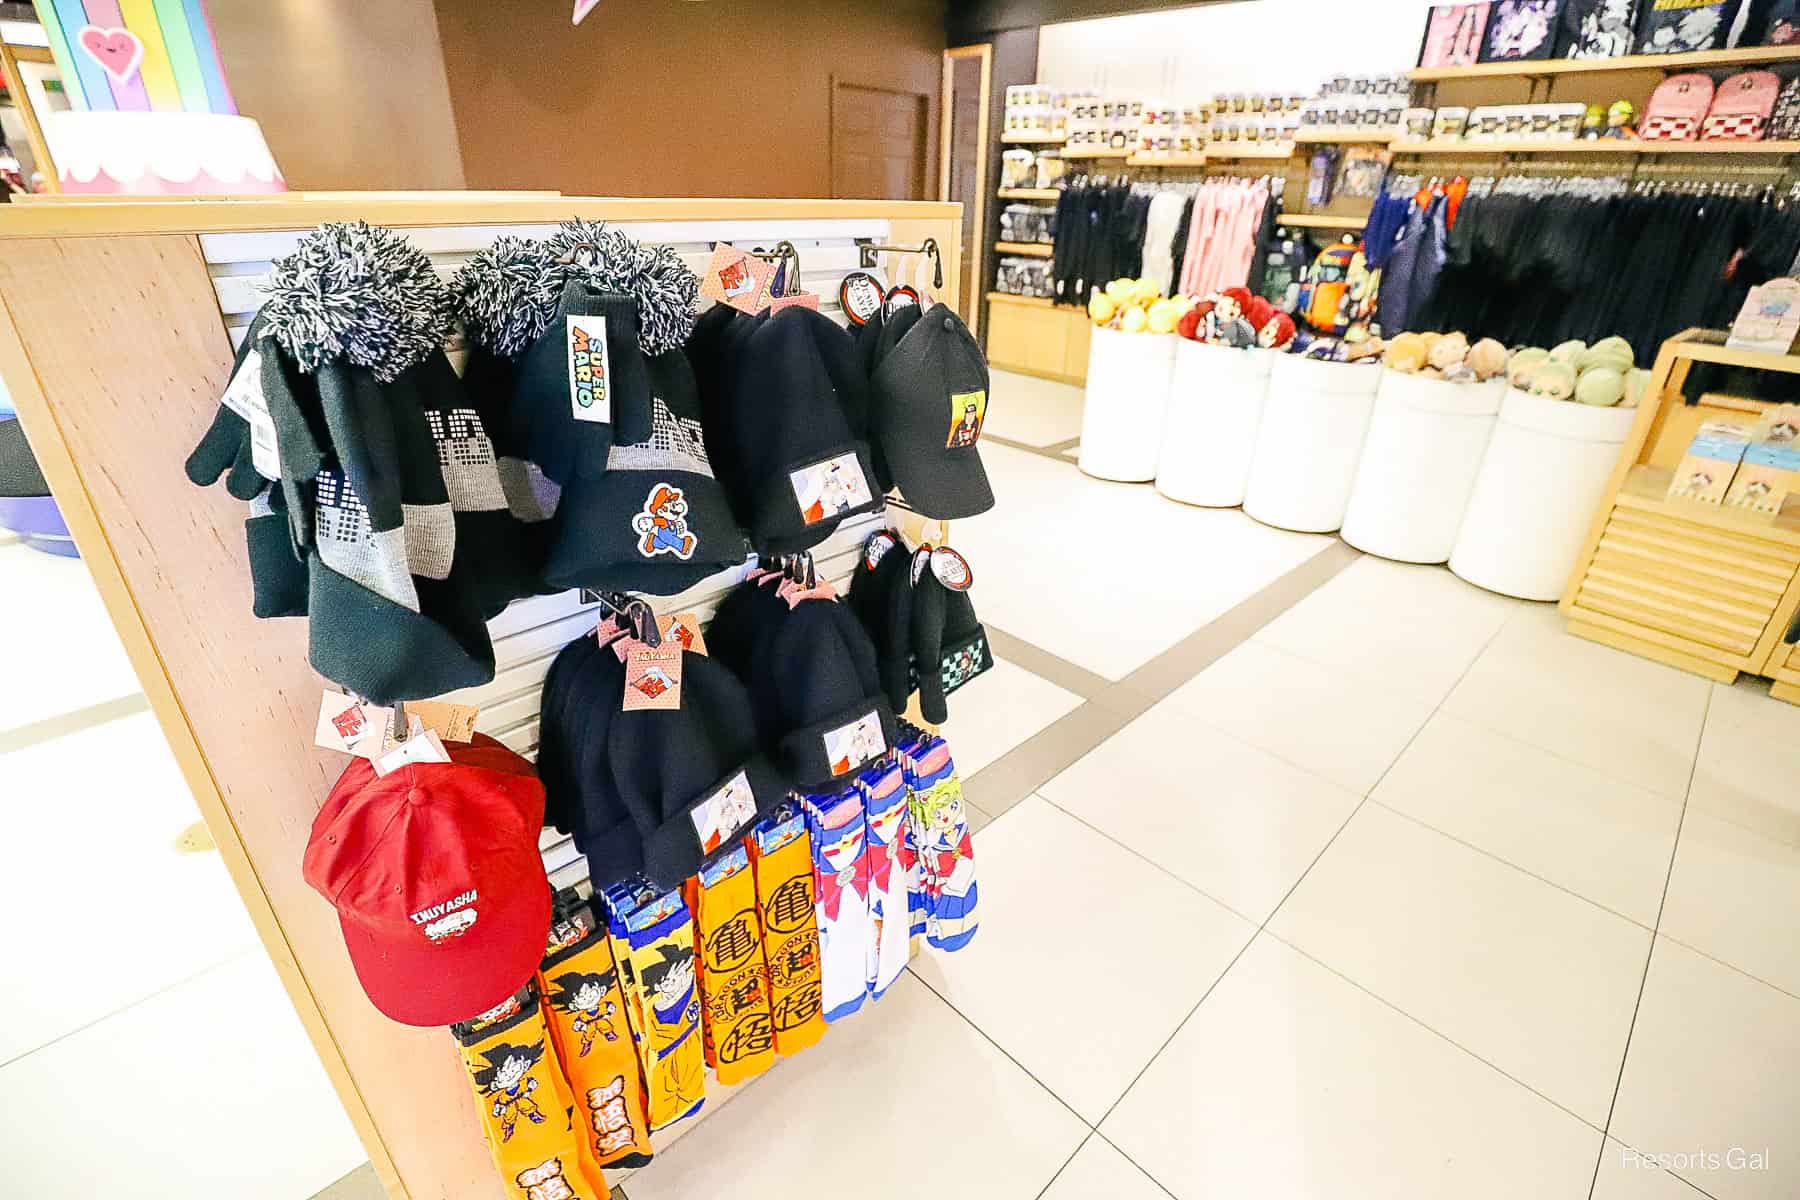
(931, 396)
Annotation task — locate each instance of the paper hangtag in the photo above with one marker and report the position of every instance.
(653, 678)
(921, 557)
(426, 747)
(952, 569)
(682, 629)
(899, 297)
(351, 726)
(451, 722)
(800, 299)
(794, 594)
(590, 369)
(850, 746)
(738, 279)
(877, 548)
(244, 396)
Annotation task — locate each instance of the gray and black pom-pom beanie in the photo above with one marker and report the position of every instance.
(349, 313)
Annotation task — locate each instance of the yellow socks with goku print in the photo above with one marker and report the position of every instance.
(524, 1104)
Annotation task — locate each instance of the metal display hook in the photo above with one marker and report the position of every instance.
(869, 250)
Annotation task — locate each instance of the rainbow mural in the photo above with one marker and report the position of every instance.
(136, 55)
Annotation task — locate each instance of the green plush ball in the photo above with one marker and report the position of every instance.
(1568, 352)
(1602, 387)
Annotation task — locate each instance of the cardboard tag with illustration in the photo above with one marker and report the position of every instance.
(653, 678)
(739, 279)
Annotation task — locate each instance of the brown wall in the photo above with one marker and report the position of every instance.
(350, 94)
(671, 97)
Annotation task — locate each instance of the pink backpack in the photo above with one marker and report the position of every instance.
(1741, 110)
(1676, 109)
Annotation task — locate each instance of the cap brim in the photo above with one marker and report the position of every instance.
(418, 983)
(944, 486)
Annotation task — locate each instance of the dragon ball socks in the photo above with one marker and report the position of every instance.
(883, 791)
(734, 978)
(653, 942)
(584, 1006)
(524, 1105)
(838, 831)
(781, 860)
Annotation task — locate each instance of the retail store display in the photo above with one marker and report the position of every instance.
(930, 399)
(1598, 28)
(1685, 26)
(1033, 110)
(1028, 223)
(1521, 30)
(1455, 35)
(1309, 442)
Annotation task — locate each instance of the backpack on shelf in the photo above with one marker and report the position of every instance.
(1784, 125)
(1677, 108)
(1741, 110)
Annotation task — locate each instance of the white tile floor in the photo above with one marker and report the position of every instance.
(1408, 895)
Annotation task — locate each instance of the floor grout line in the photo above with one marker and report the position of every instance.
(1054, 455)
(1650, 954)
(1134, 1162)
(1079, 1146)
(23, 737)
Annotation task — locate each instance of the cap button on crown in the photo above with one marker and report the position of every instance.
(949, 323)
(415, 796)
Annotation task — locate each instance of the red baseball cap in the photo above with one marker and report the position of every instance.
(435, 872)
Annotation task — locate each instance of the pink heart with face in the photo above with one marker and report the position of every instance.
(118, 51)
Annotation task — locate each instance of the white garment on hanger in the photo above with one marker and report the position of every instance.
(1159, 238)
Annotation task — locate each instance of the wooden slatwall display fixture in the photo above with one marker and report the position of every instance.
(1704, 587)
(117, 322)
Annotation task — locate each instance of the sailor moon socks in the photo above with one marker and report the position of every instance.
(938, 833)
(524, 1105)
(883, 791)
(585, 1007)
(654, 945)
(734, 979)
(838, 831)
(781, 860)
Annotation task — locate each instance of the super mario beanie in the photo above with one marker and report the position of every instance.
(656, 521)
(881, 596)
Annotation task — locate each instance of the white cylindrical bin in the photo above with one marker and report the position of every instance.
(1127, 391)
(1215, 407)
(1545, 471)
(1419, 463)
(1309, 443)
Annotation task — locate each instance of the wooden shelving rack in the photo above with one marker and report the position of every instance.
(1051, 194)
(1702, 587)
(1016, 138)
(1748, 56)
(1028, 249)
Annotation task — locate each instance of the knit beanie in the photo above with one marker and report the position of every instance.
(948, 643)
(656, 521)
(881, 596)
(814, 683)
(581, 693)
(349, 312)
(691, 780)
(578, 313)
(798, 469)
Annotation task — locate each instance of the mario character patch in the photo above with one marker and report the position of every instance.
(850, 746)
(724, 814)
(662, 526)
(830, 488)
(590, 397)
(967, 411)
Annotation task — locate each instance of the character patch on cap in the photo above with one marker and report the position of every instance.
(590, 367)
(850, 746)
(662, 525)
(967, 411)
(963, 664)
(830, 488)
(723, 815)
(451, 918)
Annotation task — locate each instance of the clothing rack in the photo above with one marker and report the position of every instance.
(113, 310)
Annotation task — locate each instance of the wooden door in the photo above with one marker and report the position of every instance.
(878, 143)
(962, 163)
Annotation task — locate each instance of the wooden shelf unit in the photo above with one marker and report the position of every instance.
(1029, 249)
(1747, 56)
(1345, 137)
(1634, 147)
(1703, 587)
(1096, 152)
(1230, 150)
(1321, 221)
(1051, 194)
(1033, 139)
(1166, 160)
(1033, 336)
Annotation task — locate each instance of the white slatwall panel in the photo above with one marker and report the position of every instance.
(528, 635)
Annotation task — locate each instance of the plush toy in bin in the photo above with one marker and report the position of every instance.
(1446, 356)
(1134, 306)
(1603, 375)
(1235, 317)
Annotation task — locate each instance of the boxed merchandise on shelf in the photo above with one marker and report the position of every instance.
(1028, 223)
(1018, 276)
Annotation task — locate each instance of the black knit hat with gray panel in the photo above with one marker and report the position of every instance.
(350, 312)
